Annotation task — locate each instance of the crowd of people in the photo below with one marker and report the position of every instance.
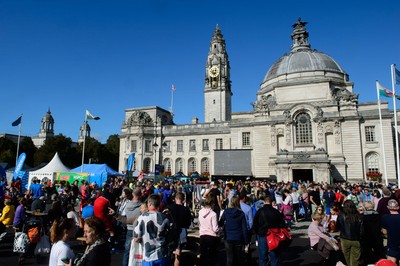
(348, 222)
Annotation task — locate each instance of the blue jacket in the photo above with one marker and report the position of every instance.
(234, 222)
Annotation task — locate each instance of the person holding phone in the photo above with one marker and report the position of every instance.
(61, 231)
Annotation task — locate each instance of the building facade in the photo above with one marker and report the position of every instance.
(306, 124)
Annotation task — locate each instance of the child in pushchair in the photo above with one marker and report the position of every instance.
(33, 227)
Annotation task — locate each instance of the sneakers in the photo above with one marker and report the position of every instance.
(2, 235)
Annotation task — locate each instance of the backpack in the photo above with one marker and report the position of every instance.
(173, 233)
(253, 209)
(33, 235)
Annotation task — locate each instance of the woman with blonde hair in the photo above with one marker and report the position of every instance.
(208, 229)
(61, 231)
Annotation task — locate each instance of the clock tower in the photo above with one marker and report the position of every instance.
(217, 89)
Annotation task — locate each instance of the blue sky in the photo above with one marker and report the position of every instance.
(107, 56)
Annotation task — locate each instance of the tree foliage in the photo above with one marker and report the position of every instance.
(8, 151)
(29, 148)
(61, 144)
(70, 153)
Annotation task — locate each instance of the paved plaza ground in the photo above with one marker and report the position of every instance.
(298, 253)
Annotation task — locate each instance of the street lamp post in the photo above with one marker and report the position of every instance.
(155, 147)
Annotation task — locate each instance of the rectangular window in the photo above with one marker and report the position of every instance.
(192, 145)
(133, 146)
(246, 139)
(205, 145)
(147, 145)
(219, 144)
(179, 145)
(370, 133)
(167, 145)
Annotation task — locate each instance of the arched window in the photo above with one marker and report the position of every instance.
(167, 165)
(372, 162)
(179, 165)
(303, 129)
(192, 165)
(205, 165)
(146, 164)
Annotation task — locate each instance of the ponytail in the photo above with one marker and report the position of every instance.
(59, 227)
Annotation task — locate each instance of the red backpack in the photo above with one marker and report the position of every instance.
(33, 235)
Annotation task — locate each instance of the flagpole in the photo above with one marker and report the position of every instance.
(84, 140)
(19, 139)
(393, 68)
(382, 139)
(171, 109)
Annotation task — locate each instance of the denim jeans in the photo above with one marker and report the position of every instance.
(128, 240)
(270, 258)
(234, 253)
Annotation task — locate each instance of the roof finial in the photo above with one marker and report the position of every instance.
(300, 36)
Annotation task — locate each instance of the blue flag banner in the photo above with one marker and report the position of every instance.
(131, 158)
(397, 75)
(17, 122)
(20, 163)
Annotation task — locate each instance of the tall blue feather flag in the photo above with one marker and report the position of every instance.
(17, 122)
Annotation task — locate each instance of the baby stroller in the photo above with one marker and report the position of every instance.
(34, 228)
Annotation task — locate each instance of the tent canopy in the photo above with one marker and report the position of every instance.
(98, 173)
(48, 171)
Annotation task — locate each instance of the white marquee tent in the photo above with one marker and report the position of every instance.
(49, 171)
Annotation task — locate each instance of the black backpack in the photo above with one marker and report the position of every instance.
(173, 233)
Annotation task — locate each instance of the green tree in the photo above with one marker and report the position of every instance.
(61, 144)
(111, 153)
(29, 148)
(93, 150)
(8, 150)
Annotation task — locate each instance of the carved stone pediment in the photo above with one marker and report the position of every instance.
(264, 104)
(139, 118)
(342, 95)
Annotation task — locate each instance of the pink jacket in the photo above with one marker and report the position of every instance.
(208, 222)
(315, 232)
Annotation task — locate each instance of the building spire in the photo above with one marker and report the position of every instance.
(300, 36)
(218, 37)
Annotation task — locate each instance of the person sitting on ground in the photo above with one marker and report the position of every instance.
(324, 222)
(321, 241)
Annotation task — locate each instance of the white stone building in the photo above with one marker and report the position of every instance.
(306, 124)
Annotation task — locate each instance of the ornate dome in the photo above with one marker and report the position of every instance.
(48, 117)
(301, 58)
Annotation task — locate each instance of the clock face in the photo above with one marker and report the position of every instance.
(214, 72)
